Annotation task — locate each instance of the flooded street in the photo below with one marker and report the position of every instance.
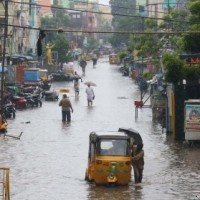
(49, 161)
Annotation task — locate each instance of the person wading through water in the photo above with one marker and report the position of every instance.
(90, 95)
(138, 162)
(66, 107)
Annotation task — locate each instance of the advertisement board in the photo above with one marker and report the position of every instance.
(192, 120)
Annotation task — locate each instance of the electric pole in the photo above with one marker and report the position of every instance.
(4, 51)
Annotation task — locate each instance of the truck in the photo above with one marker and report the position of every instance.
(31, 76)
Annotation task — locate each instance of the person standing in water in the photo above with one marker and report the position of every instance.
(90, 95)
(77, 83)
(138, 162)
(66, 105)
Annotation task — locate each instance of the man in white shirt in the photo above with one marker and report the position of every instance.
(90, 95)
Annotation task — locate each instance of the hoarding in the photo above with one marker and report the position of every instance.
(192, 117)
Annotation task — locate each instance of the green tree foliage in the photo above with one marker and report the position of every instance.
(147, 45)
(105, 36)
(173, 68)
(91, 44)
(122, 21)
(191, 41)
(60, 19)
(175, 21)
(62, 47)
(191, 73)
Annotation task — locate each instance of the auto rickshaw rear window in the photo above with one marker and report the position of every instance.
(113, 147)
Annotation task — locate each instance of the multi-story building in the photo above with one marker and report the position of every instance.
(10, 29)
(22, 17)
(45, 10)
(84, 19)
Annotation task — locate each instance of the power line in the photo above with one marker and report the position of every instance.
(96, 12)
(118, 32)
(136, 9)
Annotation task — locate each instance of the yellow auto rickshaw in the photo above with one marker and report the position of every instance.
(3, 125)
(43, 73)
(113, 58)
(109, 158)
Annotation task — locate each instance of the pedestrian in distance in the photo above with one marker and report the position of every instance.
(94, 60)
(83, 64)
(138, 162)
(66, 106)
(90, 95)
(77, 83)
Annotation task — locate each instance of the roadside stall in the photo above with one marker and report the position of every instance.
(192, 120)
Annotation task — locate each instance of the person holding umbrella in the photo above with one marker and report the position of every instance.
(90, 94)
(138, 162)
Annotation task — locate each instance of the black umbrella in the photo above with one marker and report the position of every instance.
(132, 133)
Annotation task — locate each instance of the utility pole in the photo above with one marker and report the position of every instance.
(4, 51)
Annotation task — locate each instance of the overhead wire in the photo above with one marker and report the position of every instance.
(97, 12)
(132, 8)
(84, 31)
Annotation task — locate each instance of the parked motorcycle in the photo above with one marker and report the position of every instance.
(37, 100)
(50, 95)
(27, 89)
(20, 102)
(33, 100)
(9, 110)
(45, 85)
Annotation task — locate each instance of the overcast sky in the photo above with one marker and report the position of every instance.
(104, 2)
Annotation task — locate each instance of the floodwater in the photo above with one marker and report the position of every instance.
(49, 161)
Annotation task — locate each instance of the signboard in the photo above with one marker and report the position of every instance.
(192, 117)
(192, 120)
(193, 60)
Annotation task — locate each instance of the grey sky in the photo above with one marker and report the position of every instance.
(104, 2)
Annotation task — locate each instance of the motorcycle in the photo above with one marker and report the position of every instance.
(37, 100)
(50, 95)
(20, 102)
(32, 99)
(9, 110)
(45, 85)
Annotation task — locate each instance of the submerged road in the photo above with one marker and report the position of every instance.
(49, 161)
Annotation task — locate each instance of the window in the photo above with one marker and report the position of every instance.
(116, 147)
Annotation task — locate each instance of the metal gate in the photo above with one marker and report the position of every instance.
(5, 185)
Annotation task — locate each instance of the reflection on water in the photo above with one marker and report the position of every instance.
(50, 159)
(122, 192)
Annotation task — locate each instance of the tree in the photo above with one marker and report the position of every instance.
(173, 68)
(121, 21)
(60, 19)
(191, 41)
(62, 47)
(147, 45)
(175, 21)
